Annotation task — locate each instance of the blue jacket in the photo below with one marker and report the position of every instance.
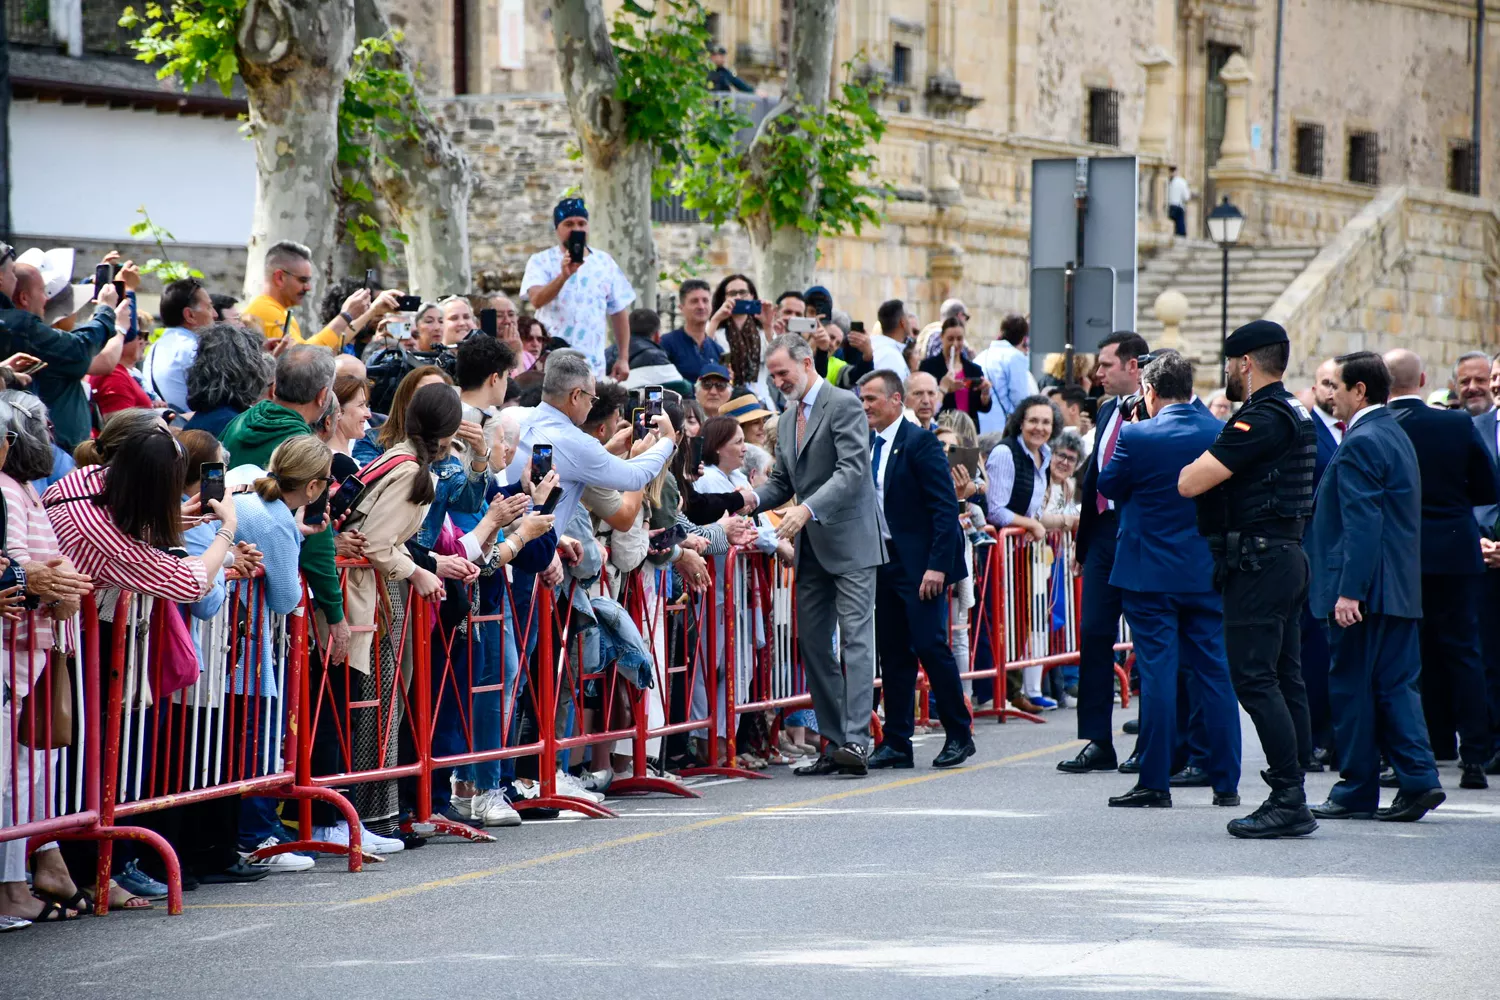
(1326, 447)
(1159, 549)
(921, 510)
(1457, 476)
(1364, 541)
(1486, 514)
(1088, 491)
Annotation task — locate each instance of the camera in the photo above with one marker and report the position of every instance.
(1133, 407)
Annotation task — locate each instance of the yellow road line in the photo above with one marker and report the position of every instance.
(637, 838)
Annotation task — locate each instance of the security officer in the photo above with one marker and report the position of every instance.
(1255, 493)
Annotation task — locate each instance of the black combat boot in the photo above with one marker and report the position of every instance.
(1284, 814)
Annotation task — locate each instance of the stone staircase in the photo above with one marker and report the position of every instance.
(1257, 276)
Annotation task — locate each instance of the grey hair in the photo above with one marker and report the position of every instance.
(30, 457)
(951, 308)
(566, 370)
(302, 372)
(1170, 376)
(889, 381)
(1070, 440)
(230, 369)
(757, 459)
(1469, 356)
(283, 253)
(841, 319)
(797, 348)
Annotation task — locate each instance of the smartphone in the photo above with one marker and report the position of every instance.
(211, 482)
(135, 329)
(966, 457)
(801, 325)
(397, 329)
(541, 461)
(653, 400)
(672, 534)
(695, 455)
(856, 327)
(578, 241)
(370, 279)
(103, 275)
(746, 307)
(23, 364)
(488, 322)
(408, 303)
(341, 500)
(642, 427)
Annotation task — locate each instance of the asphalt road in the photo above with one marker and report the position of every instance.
(1002, 879)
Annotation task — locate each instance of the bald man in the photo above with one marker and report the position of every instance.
(1457, 476)
(924, 398)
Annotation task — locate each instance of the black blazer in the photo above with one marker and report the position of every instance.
(937, 367)
(1457, 476)
(1088, 518)
(921, 509)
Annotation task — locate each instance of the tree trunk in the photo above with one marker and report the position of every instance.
(428, 190)
(616, 173)
(785, 257)
(293, 58)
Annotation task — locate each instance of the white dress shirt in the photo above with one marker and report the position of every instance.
(888, 439)
(1355, 419)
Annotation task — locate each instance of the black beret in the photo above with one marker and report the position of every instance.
(1260, 333)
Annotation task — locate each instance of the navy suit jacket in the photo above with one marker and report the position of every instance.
(1326, 447)
(1457, 476)
(1088, 498)
(1159, 549)
(1365, 539)
(921, 509)
(1485, 423)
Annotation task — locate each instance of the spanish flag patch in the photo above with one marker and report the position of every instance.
(1240, 425)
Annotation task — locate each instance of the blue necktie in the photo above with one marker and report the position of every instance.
(875, 461)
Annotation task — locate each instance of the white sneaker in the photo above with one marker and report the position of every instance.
(571, 786)
(525, 788)
(374, 843)
(289, 862)
(493, 808)
(599, 781)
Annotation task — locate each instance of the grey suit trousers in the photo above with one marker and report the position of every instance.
(843, 696)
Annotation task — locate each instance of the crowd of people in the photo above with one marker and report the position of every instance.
(396, 452)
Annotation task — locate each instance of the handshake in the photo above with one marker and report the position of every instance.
(752, 500)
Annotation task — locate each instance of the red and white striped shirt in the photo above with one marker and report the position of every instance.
(89, 537)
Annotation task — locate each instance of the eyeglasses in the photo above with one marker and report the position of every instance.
(10, 437)
(742, 293)
(590, 395)
(1065, 457)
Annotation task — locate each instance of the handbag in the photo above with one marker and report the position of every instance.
(60, 710)
(179, 656)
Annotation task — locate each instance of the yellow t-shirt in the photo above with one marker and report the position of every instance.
(274, 321)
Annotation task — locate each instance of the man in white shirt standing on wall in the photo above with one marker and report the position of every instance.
(1178, 196)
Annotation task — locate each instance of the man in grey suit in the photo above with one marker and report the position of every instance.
(823, 459)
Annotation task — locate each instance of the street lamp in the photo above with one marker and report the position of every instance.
(1224, 225)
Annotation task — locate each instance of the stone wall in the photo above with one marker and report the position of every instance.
(1291, 211)
(1414, 269)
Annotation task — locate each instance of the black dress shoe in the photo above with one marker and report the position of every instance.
(1231, 799)
(1190, 777)
(1132, 726)
(852, 759)
(1131, 764)
(1142, 798)
(237, 872)
(1312, 767)
(954, 753)
(1473, 777)
(1284, 814)
(1408, 807)
(1093, 757)
(1332, 810)
(1493, 767)
(823, 765)
(885, 757)
(1388, 778)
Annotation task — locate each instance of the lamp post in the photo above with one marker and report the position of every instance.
(1224, 225)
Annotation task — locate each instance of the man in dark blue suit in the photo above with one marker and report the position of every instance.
(924, 542)
(1118, 369)
(1330, 431)
(1489, 435)
(1165, 572)
(1457, 476)
(1364, 544)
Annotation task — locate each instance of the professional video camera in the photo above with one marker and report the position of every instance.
(387, 368)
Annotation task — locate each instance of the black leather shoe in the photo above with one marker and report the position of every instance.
(1142, 798)
(1388, 778)
(1190, 777)
(852, 759)
(1131, 764)
(885, 757)
(1473, 777)
(1093, 757)
(1131, 726)
(1332, 810)
(1284, 814)
(954, 753)
(237, 872)
(1408, 807)
(823, 765)
(1313, 766)
(1231, 799)
(1493, 767)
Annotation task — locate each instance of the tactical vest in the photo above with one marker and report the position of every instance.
(1280, 489)
(1025, 483)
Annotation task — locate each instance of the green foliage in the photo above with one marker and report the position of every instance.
(194, 39)
(379, 95)
(164, 268)
(663, 58)
(799, 149)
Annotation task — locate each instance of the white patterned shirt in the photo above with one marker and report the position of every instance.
(580, 313)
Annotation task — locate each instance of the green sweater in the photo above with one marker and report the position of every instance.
(250, 438)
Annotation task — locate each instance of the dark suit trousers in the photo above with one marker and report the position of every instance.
(1489, 637)
(1373, 685)
(908, 629)
(1315, 678)
(1100, 632)
(1453, 683)
(1176, 635)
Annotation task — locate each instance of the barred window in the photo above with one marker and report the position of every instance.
(1461, 174)
(1104, 116)
(1364, 157)
(1309, 162)
(901, 65)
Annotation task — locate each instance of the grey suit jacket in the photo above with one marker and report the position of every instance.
(830, 473)
(1485, 423)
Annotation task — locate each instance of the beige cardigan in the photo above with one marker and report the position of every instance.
(387, 519)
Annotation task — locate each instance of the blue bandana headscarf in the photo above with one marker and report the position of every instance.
(567, 209)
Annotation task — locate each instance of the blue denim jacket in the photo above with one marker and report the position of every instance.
(458, 491)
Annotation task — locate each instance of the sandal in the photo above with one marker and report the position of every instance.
(53, 914)
(79, 902)
(127, 901)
